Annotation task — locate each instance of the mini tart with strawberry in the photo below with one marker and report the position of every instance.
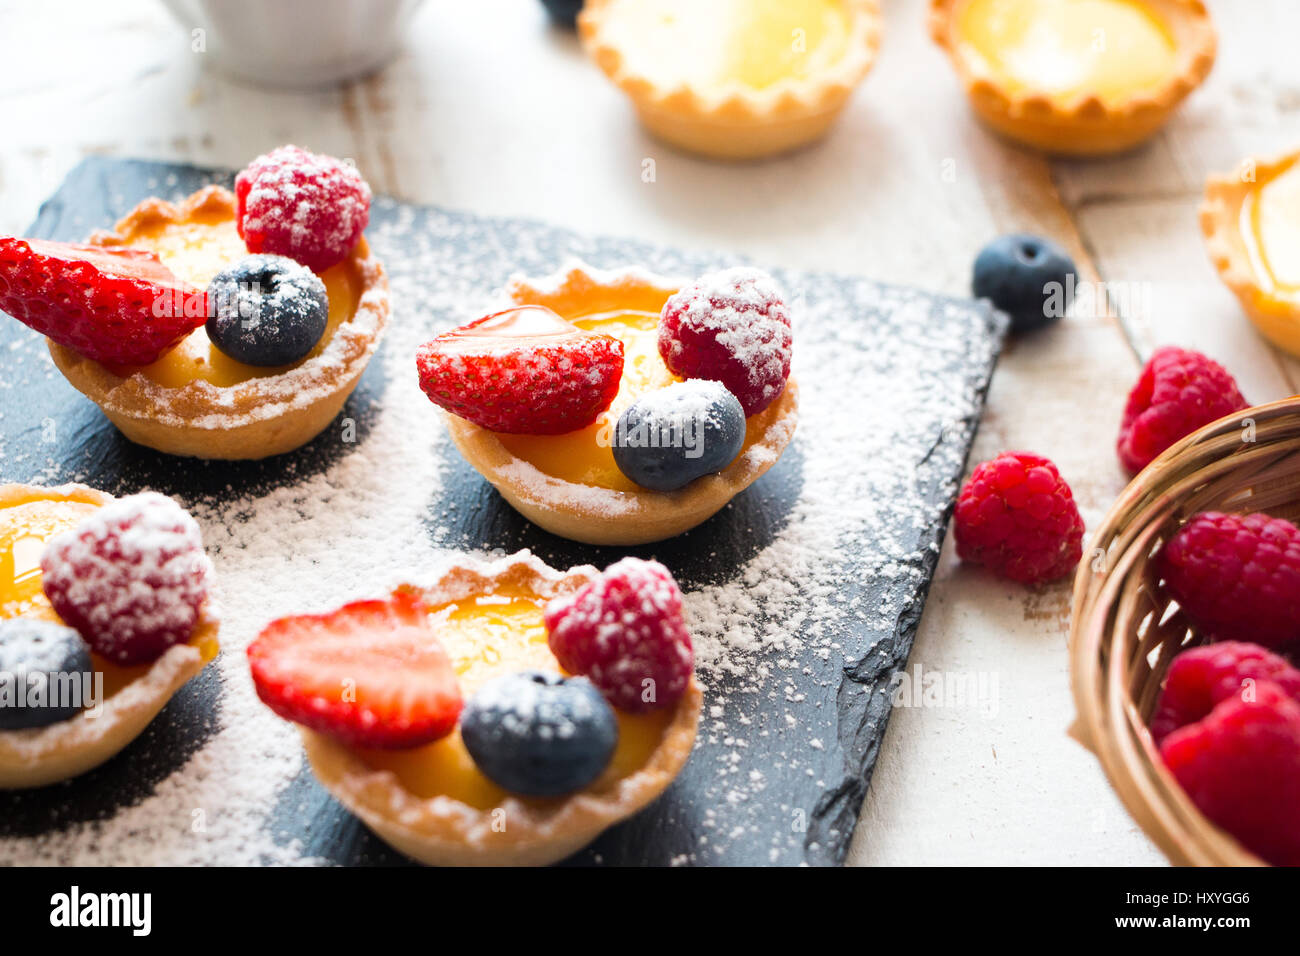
(467, 738)
(134, 623)
(1076, 77)
(734, 80)
(145, 320)
(539, 398)
(1251, 224)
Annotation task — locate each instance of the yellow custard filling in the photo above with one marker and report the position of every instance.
(585, 456)
(1270, 229)
(716, 43)
(485, 637)
(196, 250)
(1064, 48)
(25, 525)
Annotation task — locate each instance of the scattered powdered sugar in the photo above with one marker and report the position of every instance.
(799, 595)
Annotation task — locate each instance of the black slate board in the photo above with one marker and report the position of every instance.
(906, 343)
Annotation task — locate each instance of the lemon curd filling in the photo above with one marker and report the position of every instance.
(1063, 48)
(585, 456)
(1270, 229)
(196, 250)
(710, 43)
(485, 637)
(26, 524)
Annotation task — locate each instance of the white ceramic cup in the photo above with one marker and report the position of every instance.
(295, 43)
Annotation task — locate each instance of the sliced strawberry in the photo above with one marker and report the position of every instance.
(524, 371)
(117, 306)
(371, 674)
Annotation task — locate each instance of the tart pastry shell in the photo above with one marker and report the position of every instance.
(737, 122)
(253, 419)
(447, 832)
(605, 516)
(38, 756)
(1084, 125)
(1275, 315)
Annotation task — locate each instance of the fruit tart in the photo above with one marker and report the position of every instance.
(506, 714)
(620, 407)
(105, 611)
(734, 80)
(1076, 77)
(1251, 224)
(226, 325)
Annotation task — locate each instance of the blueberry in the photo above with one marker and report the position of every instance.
(43, 671)
(267, 310)
(563, 12)
(1027, 277)
(539, 734)
(670, 437)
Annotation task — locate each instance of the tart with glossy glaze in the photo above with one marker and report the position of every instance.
(40, 756)
(1250, 221)
(463, 827)
(1076, 77)
(194, 401)
(536, 474)
(734, 80)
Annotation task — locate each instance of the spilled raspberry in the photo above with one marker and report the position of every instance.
(1178, 392)
(1017, 517)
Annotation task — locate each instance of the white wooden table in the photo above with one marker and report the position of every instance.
(489, 110)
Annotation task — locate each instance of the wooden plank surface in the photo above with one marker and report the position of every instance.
(489, 110)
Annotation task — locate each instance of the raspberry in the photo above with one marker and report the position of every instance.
(1201, 677)
(522, 371)
(1016, 516)
(1178, 392)
(308, 207)
(117, 306)
(1236, 576)
(1241, 766)
(625, 632)
(731, 327)
(131, 578)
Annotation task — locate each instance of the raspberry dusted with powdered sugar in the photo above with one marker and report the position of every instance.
(626, 634)
(131, 578)
(303, 205)
(731, 327)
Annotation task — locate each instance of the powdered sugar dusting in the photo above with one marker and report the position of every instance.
(131, 578)
(800, 596)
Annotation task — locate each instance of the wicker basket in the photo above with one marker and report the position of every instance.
(1125, 628)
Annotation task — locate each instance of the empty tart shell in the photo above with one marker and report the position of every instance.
(1085, 124)
(1274, 312)
(735, 121)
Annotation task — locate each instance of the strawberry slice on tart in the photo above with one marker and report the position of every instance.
(370, 674)
(522, 371)
(116, 306)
